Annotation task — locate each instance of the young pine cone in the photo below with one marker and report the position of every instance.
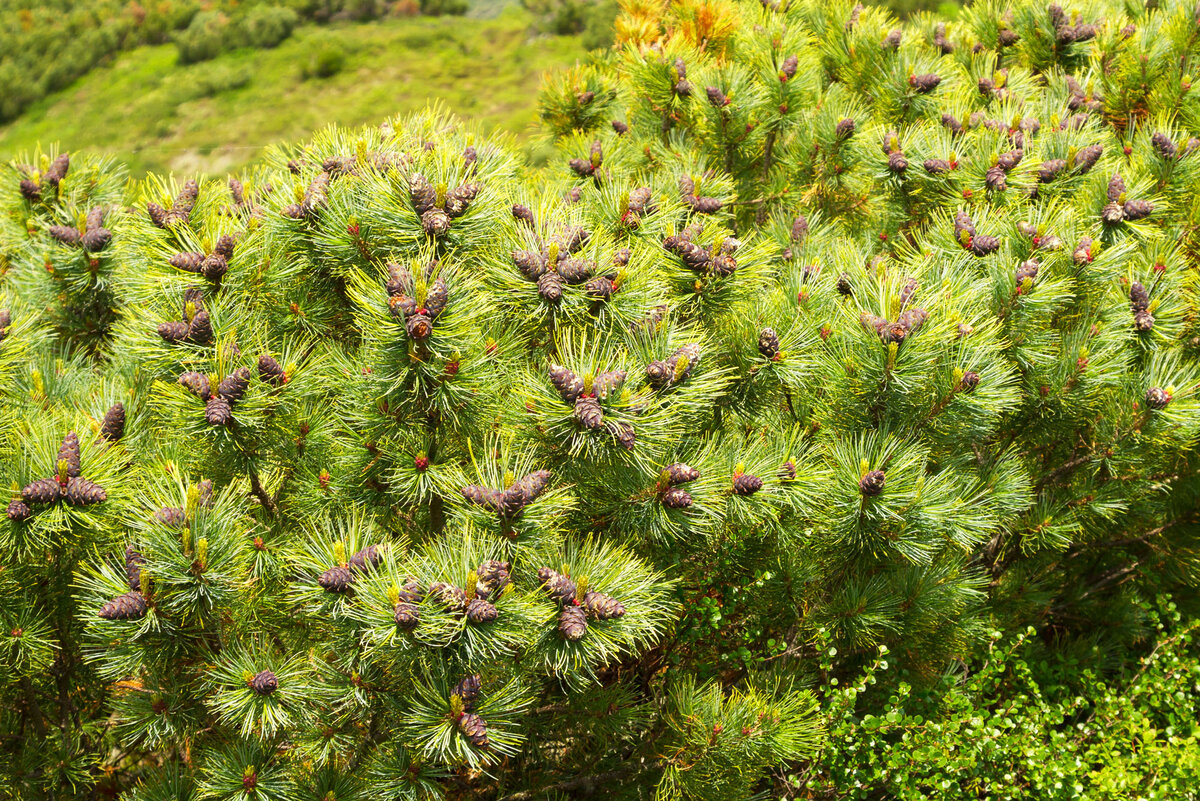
(568, 384)
(171, 516)
(214, 266)
(1137, 209)
(198, 383)
(523, 214)
(82, 492)
(133, 568)
(436, 298)
(452, 597)
(1157, 398)
(68, 452)
(406, 615)
(484, 497)
(435, 222)
(419, 327)
(572, 623)
(843, 286)
(1165, 147)
(936, 166)
(1087, 157)
(982, 245)
(746, 484)
(1139, 298)
(474, 728)
(468, 690)
(676, 498)
(94, 240)
(530, 486)
(113, 426)
(924, 84)
(188, 262)
(217, 411)
(768, 343)
(480, 611)
(233, 387)
(599, 606)
(264, 683)
(1143, 321)
(422, 193)
(872, 483)
(270, 372)
(65, 234)
(336, 579)
(550, 287)
(44, 490)
(704, 205)
(588, 413)
(199, 330)
(366, 559)
(680, 473)
(558, 586)
(130, 606)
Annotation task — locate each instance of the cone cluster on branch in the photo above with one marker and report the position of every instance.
(218, 402)
(212, 266)
(578, 606)
(67, 485)
(181, 207)
(339, 578)
(509, 502)
(439, 207)
(196, 326)
(35, 187)
(416, 304)
(94, 237)
(719, 261)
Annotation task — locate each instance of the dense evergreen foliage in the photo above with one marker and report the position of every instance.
(734, 453)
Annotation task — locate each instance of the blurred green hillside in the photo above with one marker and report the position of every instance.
(218, 114)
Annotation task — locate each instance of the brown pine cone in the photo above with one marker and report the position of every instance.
(435, 222)
(1138, 209)
(217, 411)
(406, 615)
(474, 728)
(599, 606)
(523, 214)
(568, 384)
(158, 215)
(419, 326)
(480, 611)
(572, 623)
(366, 559)
(82, 492)
(18, 510)
(44, 490)
(264, 683)
(452, 597)
(746, 484)
(113, 426)
(171, 516)
(558, 586)
(200, 329)
(133, 568)
(422, 193)
(130, 606)
(872, 483)
(65, 234)
(336, 579)
(189, 262)
(94, 240)
(468, 690)
(198, 383)
(1157, 398)
(270, 372)
(680, 473)
(68, 452)
(969, 381)
(676, 498)
(482, 496)
(588, 413)
(233, 386)
(173, 332)
(1139, 298)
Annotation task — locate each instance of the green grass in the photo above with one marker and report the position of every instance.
(216, 116)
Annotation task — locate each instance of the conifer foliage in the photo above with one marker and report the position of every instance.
(395, 468)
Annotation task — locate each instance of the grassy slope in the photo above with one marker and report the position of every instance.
(218, 115)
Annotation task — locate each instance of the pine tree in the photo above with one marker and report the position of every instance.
(397, 467)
